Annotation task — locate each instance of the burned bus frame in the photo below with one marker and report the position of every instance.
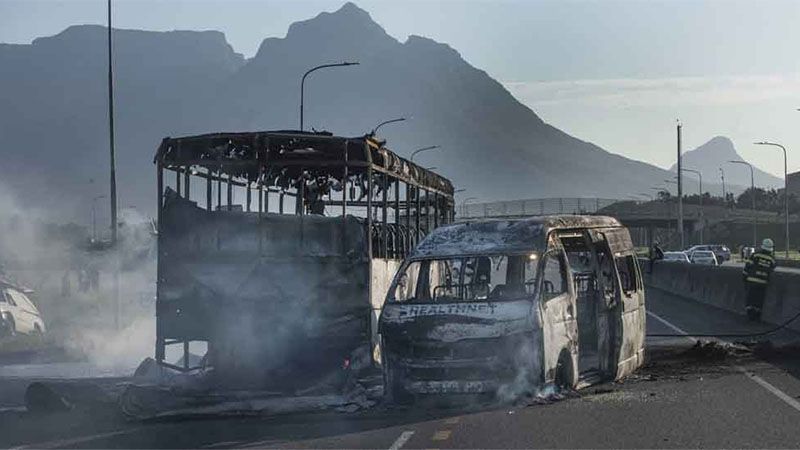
(320, 174)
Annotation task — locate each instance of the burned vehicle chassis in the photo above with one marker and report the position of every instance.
(507, 307)
(278, 259)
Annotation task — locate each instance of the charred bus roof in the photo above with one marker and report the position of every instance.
(248, 155)
(502, 236)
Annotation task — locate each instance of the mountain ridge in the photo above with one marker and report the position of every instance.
(714, 155)
(491, 144)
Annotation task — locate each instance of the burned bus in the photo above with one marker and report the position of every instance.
(275, 251)
(509, 306)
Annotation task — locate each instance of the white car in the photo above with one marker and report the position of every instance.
(18, 314)
(706, 257)
(676, 257)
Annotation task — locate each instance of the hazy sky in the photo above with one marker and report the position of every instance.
(616, 73)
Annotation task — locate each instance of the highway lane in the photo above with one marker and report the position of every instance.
(682, 398)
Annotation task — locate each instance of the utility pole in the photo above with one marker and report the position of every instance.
(113, 180)
(680, 189)
(702, 216)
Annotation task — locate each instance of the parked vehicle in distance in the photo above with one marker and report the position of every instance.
(722, 252)
(676, 257)
(18, 314)
(706, 257)
(747, 252)
(505, 306)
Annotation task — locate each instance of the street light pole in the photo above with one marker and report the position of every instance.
(414, 153)
(386, 122)
(785, 189)
(752, 194)
(303, 82)
(724, 194)
(702, 216)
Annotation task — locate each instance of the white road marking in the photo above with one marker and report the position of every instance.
(756, 379)
(401, 440)
(13, 409)
(441, 435)
(671, 326)
(75, 441)
(768, 386)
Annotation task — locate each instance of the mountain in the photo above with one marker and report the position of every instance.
(54, 120)
(713, 155)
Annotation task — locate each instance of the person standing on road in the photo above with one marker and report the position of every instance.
(655, 253)
(756, 274)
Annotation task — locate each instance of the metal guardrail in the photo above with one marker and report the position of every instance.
(534, 207)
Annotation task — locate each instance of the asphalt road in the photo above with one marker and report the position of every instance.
(710, 397)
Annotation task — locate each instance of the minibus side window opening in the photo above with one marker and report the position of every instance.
(554, 276)
(627, 273)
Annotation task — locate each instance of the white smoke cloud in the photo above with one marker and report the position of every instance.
(80, 315)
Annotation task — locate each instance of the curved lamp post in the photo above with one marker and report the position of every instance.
(386, 122)
(303, 82)
(752, 194)
(785, 189)
(423, 149)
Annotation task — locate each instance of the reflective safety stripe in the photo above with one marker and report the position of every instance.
(756, 280)
(766, 258)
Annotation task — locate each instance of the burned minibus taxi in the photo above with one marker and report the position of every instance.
(511, 306)
(275, 251)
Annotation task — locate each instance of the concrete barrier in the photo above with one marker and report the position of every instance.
(723, 287)
(794, 263)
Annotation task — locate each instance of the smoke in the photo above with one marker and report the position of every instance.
(97, 303)
(527, 386)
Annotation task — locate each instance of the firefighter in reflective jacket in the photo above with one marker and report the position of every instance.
(757, 271)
